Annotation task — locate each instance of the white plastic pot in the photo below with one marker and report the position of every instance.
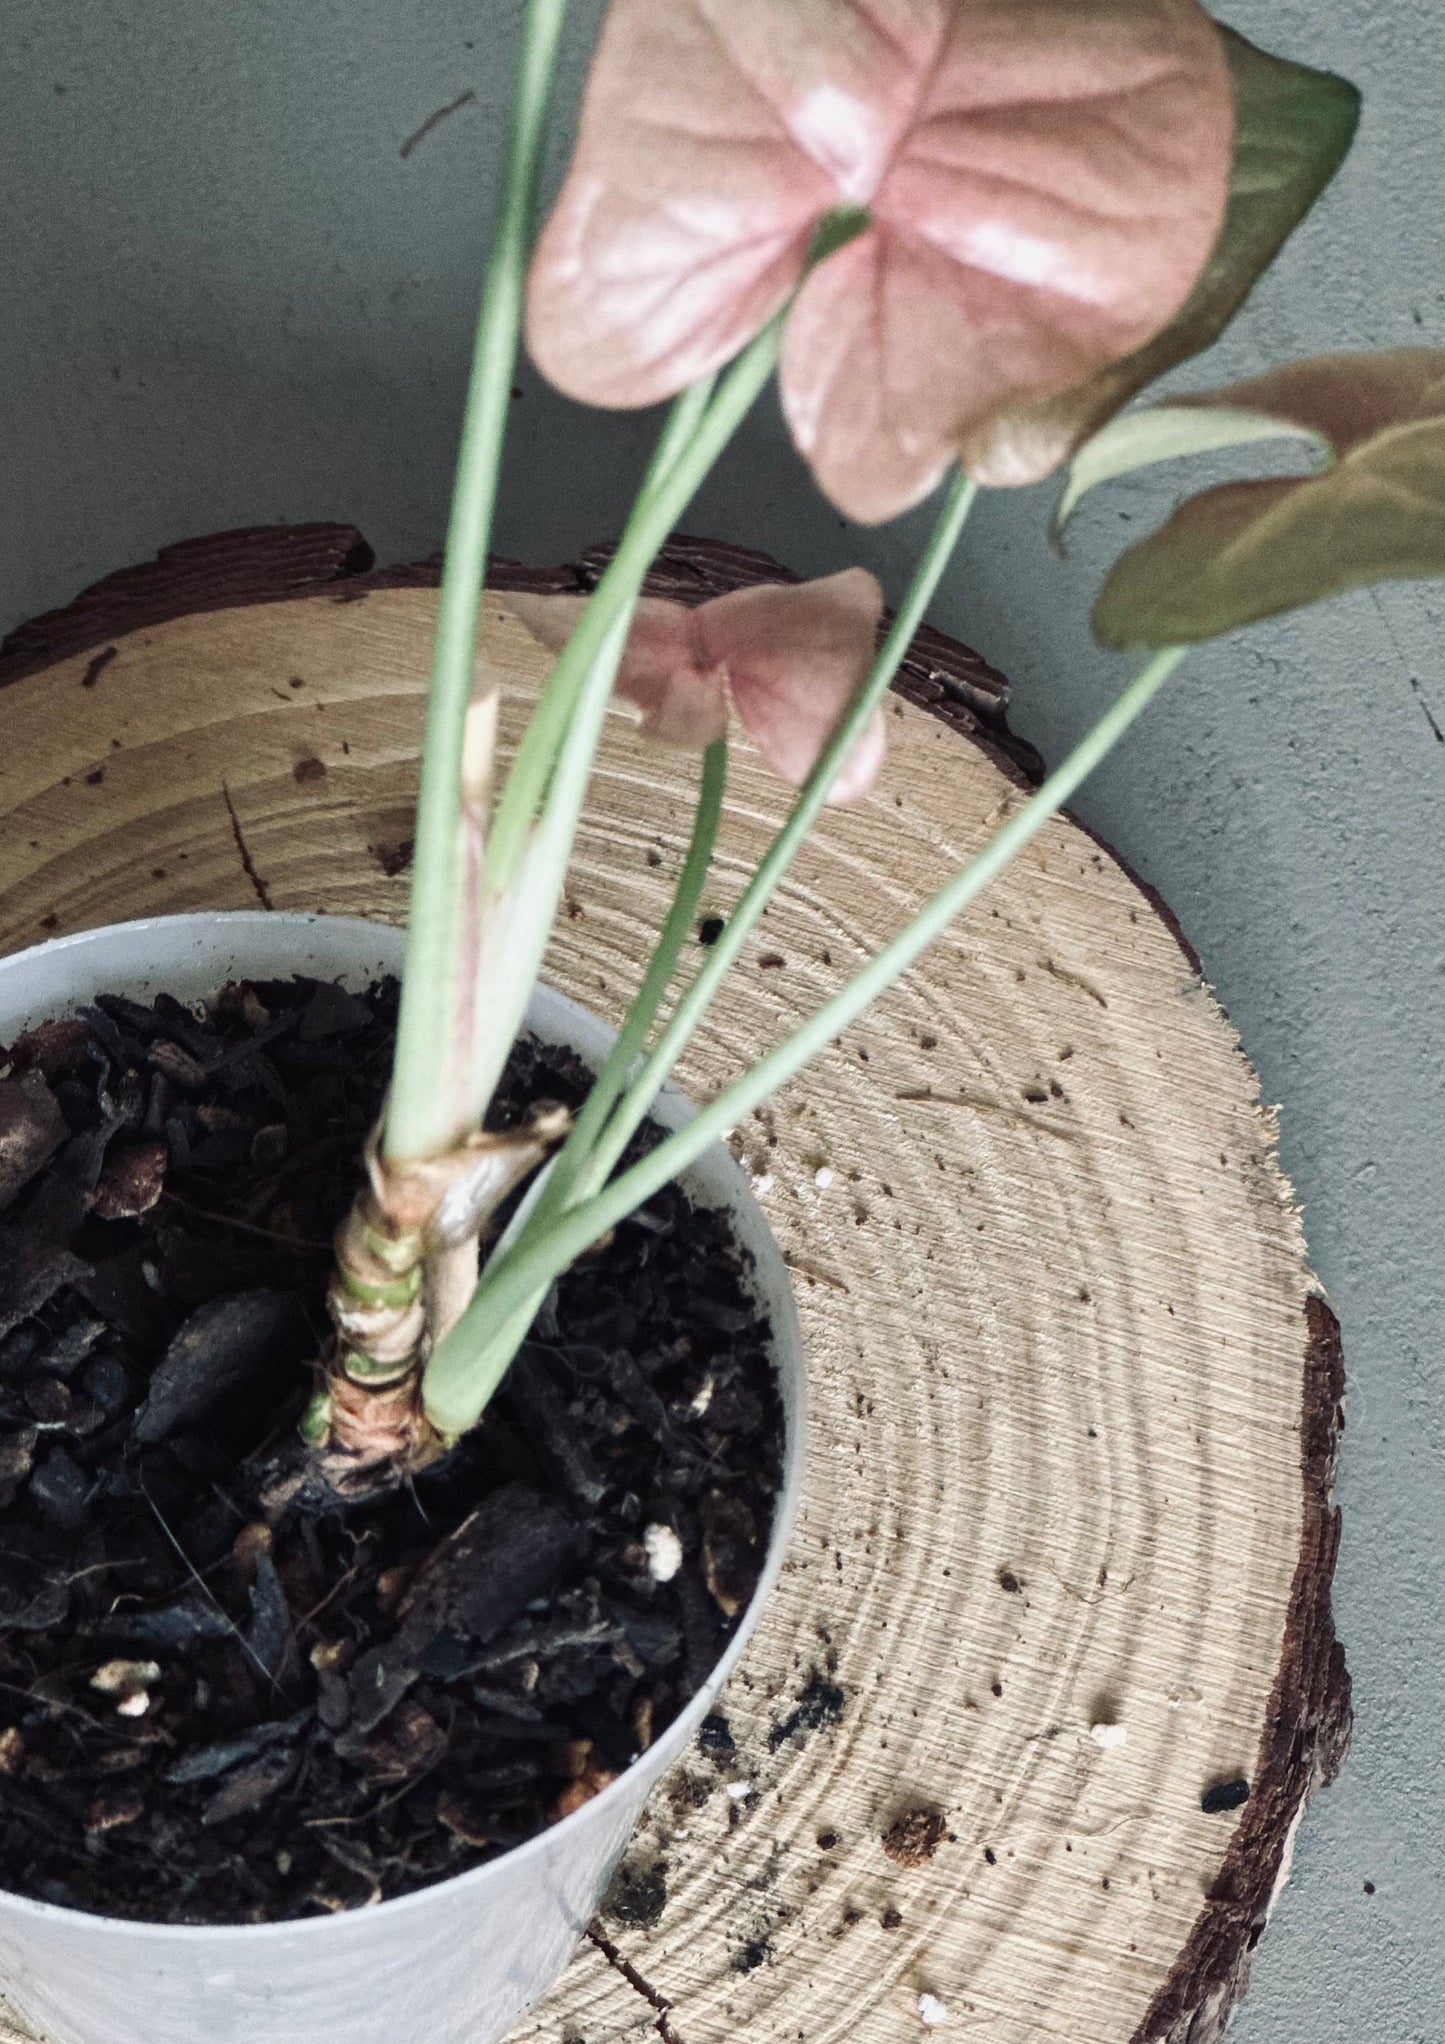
(457, 1963)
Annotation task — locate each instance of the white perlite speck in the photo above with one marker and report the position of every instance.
(118, 1678)
(823, 1178)
(1110, 1737)
(664, 1552)
(931, 2012)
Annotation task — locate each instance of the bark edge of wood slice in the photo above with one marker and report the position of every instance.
(1025, 1740)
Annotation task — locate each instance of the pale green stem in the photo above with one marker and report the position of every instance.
(450, 1391)
(527, 856)
(663, 499)
(558, 1182)
(612, 1078)
(422, 1115)
(516, 929)
(550, 721)
(779, 856)
(598, 1143)
(684, 415)
(698, 428)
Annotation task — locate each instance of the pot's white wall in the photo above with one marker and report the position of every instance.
(490, 1942)
(228, 299)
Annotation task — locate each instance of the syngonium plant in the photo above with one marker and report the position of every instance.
(962, 234)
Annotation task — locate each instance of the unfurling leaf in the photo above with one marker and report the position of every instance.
(1035, 185)
(1292, 130)
(1251, 549)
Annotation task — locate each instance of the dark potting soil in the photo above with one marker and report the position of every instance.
(218, 1708)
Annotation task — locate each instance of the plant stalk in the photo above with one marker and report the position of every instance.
(698, 430)
(601, 1135)
(527, 854)
(556, 1186)
(424, 1114)
(739, 926)
(509, 935)
(576, 1154)
(514, 1279)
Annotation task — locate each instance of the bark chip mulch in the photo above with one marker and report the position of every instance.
(216, 1706)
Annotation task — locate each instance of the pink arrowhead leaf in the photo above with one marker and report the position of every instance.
(1251, 549)
(1042, 179)
(682, 702)
(791, 656)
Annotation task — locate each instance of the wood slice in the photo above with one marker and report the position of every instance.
(1025, 1738)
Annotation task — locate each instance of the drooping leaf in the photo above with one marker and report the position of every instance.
(1251, 549)
(795, 655)
(1292, 130)
(1043, 181)
(791, 656)
(681, 702)
(1166, 433)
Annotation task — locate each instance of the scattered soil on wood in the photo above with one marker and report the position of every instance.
(914, 1836)
(218, 1707)
(820, 1706)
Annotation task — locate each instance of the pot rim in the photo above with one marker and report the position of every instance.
(775, 1289)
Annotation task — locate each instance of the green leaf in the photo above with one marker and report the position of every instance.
(1252, 549)
(1165, 433)
(1292, 130)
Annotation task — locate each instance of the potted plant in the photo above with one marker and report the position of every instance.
(505, 1773)
(958, 285)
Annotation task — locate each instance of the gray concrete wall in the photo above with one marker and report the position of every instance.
(225, 297)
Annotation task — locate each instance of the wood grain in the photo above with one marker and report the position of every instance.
(1063, 1572)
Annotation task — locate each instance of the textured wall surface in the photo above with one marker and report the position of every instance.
(229, 293)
